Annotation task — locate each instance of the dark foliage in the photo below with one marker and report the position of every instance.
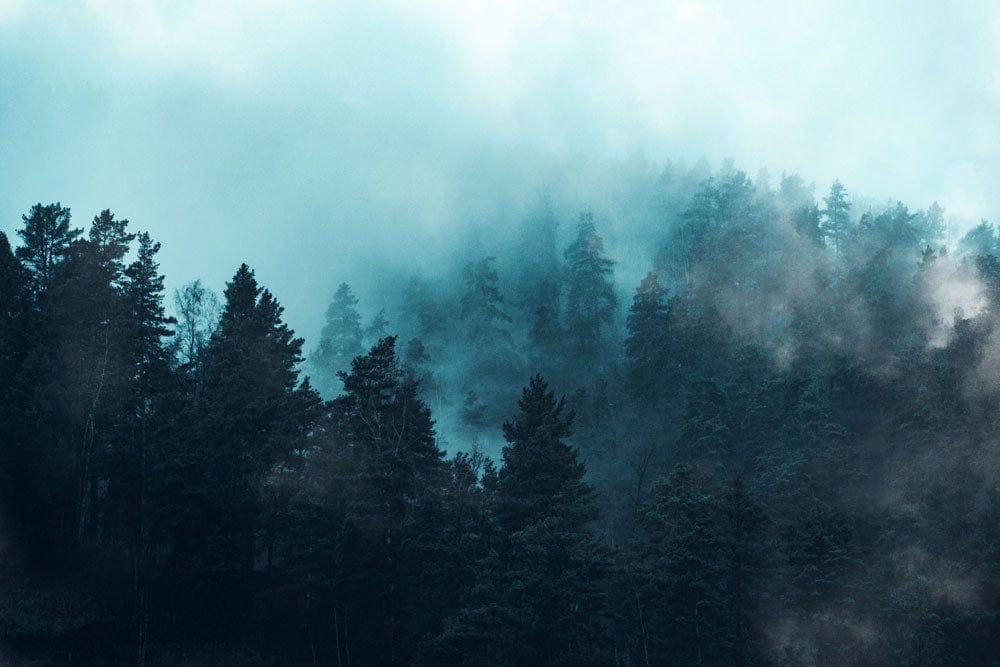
(783, 452)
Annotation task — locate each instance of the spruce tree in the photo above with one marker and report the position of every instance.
(647, 346)
(340, 341)
(377, 328)
(552, 567)
(837, 216)
(590, 294)
(390, 516)
(242, 437)
(486, 323)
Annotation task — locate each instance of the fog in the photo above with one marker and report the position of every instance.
(334, 139)
(760, 425)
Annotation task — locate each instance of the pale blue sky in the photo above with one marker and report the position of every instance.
(308, 138)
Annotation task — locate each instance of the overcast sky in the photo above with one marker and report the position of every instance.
(306, 137)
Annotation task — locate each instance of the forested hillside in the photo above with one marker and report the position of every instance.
(779, 447)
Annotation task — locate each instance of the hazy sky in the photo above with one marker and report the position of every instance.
(306, 137)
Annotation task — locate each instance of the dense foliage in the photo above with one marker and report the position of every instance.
(779, 449)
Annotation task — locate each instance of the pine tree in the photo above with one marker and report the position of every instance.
(381, 414)
(647, 345)
(377, 328)
(486, 323)
(14, 303)
(392, 517)
(77, 364)
(131, 484)
(541, 475)
(980, 240)
(16, 457)
(538, 598)
(47, 238)
(340, 341)
(677, 570)
(934, 228)
(554, 568)
(111, 241)
(796, 201)
(590, 295)
(481, 303)
(250, 421)
(837, 216)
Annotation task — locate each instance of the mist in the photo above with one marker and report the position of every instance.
(393, 333)
(383, 131)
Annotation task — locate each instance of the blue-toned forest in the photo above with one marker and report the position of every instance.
(779, 447)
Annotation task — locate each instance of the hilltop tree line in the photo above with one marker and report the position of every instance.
(778, 448)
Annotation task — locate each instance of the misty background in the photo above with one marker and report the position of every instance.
(667, 335)
(335, 139)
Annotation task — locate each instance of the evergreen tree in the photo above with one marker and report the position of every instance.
(340, 341)
(538, 599)
(590, 295)
(646, 345)
(111, 241)
(131, 484)
(698, 572)
(14, 311)
(16, 458)
(803, 213)
(381, 414)
(47, 238)
(541, 475)
(392, 517)
(481, 303)
(553, 566)
(980, 240)
(78, 367)
(378, 327)
(837, 216)
(486, 323)
(934, 229)
(249, 420)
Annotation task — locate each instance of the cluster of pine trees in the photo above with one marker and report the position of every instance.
(782, 450)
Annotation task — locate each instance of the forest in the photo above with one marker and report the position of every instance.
(778, 447)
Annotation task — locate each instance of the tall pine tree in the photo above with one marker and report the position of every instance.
(590, 294)
(339, 342)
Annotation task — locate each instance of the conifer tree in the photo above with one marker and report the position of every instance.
(552, 566)
(541, 475)
(590, 295)
(837, 216)
(377, 328)
(486, 323)
(16, 457)
(481, 303)
(646, 345)
(251, 417)
(14, 303)
(391, 517)
(340, 341)
(47, 237)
